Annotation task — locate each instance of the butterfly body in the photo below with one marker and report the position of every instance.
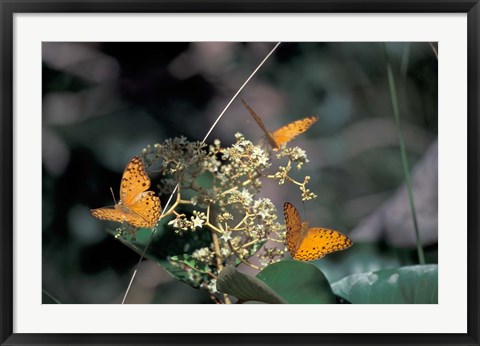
(123, 209)
(137, 206)
(284, 134)
(308, 244)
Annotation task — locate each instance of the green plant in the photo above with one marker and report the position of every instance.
(216, 200)
(217, 222)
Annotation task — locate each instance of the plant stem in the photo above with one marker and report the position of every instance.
(235, 251)
(403, 152)
(216, 246)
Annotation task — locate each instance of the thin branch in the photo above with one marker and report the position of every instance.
(240, 257)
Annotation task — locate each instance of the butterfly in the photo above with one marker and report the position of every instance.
(284, 134)
(308, 244)
(137, 206)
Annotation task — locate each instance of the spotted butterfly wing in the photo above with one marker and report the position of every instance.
(110, 214)
(308, 244)
(134, 181)
(145, 210)
(107, 213)
(294, 228)
(138, 207)
(284, 134)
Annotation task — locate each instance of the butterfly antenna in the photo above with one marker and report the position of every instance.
(176, 187)
(113, 195)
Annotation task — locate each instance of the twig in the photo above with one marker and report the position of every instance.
(241, 258)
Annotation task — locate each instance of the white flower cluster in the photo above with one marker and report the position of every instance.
(217, 188)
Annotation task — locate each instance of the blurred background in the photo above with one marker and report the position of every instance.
(104, 102)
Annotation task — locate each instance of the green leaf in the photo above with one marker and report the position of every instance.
(192, 263)
(362, 257)
(246, 287)
(167, 243)
(179, 273)
(298, 283)
(405, 285)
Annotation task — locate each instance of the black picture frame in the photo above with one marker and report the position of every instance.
(9, 8)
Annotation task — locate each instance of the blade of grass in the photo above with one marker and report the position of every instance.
(50, 296)
(403, 153)
(434, 49)
(405, 60)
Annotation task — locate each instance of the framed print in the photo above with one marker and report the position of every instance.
(241, 173)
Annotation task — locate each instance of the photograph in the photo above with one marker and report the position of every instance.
(239, 172)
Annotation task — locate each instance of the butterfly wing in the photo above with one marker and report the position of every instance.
(288, 132)
(134, 181)
(138, 207)
(319, 242)
(144, 211)
(294, 227)
(260, 123)
(120, 215)
(108, 214)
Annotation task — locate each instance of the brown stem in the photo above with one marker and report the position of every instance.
(216, 246)
(241, 258)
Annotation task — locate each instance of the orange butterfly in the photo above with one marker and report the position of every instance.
(284, 134)
(308, 244)
(137, 206)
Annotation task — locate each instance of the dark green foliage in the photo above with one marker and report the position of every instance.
(246, 287)
(405, 285)
(283, 282)
(298, 283)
